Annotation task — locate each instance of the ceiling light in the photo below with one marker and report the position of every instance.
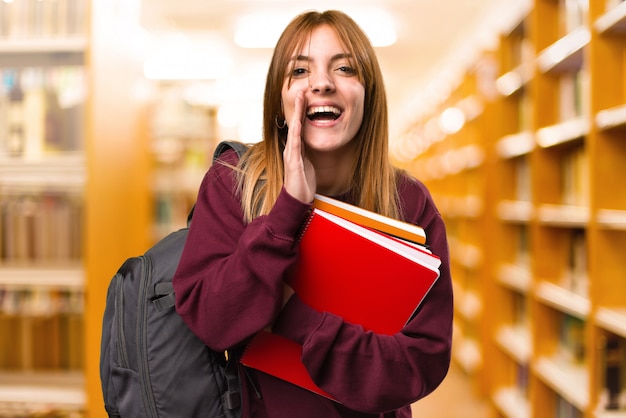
(378, 25)
(262, 29)
(182, 58)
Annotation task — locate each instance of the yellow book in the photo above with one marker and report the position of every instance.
(369, 219)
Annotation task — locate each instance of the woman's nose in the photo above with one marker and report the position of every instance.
(321, 82)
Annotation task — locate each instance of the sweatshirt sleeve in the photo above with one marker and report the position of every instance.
(229, 281)
(375, 373)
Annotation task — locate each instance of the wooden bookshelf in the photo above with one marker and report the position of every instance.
(456, 167)
(76, 192)
(607, 21)
(553, 213)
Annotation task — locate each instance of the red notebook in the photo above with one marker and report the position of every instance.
(359, 274)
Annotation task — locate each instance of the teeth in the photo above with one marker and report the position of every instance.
(323, 109)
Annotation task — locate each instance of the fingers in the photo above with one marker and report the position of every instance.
(294, 151)
(299, 107)
(294, 135)
(299, 175)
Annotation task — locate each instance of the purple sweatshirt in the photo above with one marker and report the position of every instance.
(234, 272)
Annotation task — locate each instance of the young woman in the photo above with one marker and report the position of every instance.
(325, 131)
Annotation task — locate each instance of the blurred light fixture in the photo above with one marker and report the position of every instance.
(244, 118)
(262, 29)
(451, 120)
(201, 93)
(179, 57)
(378, 25)
(250, 126)
(228, 115)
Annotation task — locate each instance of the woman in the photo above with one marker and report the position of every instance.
(325, 131)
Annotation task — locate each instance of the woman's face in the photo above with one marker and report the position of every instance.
(333, 95)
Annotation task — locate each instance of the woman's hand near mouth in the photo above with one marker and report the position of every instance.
(299, 180)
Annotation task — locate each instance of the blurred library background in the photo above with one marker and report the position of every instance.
(516, 121)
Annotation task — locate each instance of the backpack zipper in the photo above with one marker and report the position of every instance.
(122, 356)
(142, 343)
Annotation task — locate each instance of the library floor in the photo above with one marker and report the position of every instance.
(455, 398)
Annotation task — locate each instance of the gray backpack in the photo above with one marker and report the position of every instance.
(151, 363)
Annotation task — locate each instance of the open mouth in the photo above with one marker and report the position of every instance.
(323, 113)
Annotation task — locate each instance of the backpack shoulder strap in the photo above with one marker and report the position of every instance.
(239, 147)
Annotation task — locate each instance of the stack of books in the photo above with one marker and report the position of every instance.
(368, 269)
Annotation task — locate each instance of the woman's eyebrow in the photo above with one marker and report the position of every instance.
(342, 55)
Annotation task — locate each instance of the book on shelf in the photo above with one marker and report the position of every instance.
(573, 14)
(575, 187)
(524, 111)
(46, 328)
(522, 378)
(362, 275)
(520, 310)
(613, 368)
(44, 227)
(576, 278)
(15, 118)
(522, 250)
(572, 339)
(573, 94)
(565, 409)
(523, 184)
(521, 49)
(41, 111)
(72, 335)
(35, 19)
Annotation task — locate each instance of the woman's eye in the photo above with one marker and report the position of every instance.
(299, 71)
(347, 69)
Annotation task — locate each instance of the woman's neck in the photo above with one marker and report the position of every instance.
(333, 171)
